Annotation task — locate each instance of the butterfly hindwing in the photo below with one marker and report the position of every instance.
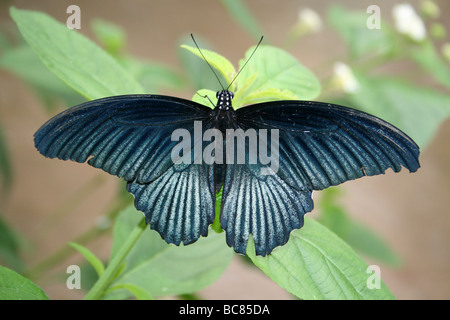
(264, 206)
(255, 200)
(179, 204)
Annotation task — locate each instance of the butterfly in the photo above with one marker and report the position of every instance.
(319, 145)
(177, 155)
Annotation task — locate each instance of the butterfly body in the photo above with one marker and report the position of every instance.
(318, 145)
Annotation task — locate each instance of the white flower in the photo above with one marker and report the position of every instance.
(344, 78)
(310, 20)
(408, 22)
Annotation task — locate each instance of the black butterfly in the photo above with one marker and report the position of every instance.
(319, 145)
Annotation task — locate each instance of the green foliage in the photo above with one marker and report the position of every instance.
(426, 56)
(416, 110)
(111, 37)
(206, 97)
(220, 63)
(164, 269)
(242, 15)
(152, 76)
(197, 72)
(90, 257)
(10, 246)
(361, 41)
(78, 61)
(24, 63)
(319, 261)
(334, 216)
(13, 286)
(5, 164)
(273, 75)
(317, 264)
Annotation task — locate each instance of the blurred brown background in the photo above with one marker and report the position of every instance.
(410, 211)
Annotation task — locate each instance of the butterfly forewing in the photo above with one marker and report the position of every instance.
(128, 136)
(322, 145)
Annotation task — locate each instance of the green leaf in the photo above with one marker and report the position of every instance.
(73, 58)
(153, 76)
(268, 95)
(220, 63)
(111, 36)
(316, 264)
(164, 269)
(352, 27)
(196, 70)
(242, 91)
(205, 97)
(275, 69)
(10, 245)
(13, 286)
(136, 290)
(427, 57)
(90, 257)
(415, 110)
(5, 164)
(243, 16)
(335, 217)
(24, 63)
(5, 42)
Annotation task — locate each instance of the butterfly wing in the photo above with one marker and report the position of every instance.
(257, 203)
(264, 206)
(323, 145)
(319, 145)
(179, 204)
(130, 136)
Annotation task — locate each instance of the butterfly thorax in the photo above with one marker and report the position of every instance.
(223, 114)
(224, 98)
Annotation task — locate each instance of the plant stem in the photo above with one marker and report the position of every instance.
(111, 271)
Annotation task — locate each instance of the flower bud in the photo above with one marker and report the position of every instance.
(309, 20)
(437, 31)
(430, 9)
(344, 79)
(407, 22)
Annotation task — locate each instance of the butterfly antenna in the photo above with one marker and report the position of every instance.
(254, 50)
(212, 69)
